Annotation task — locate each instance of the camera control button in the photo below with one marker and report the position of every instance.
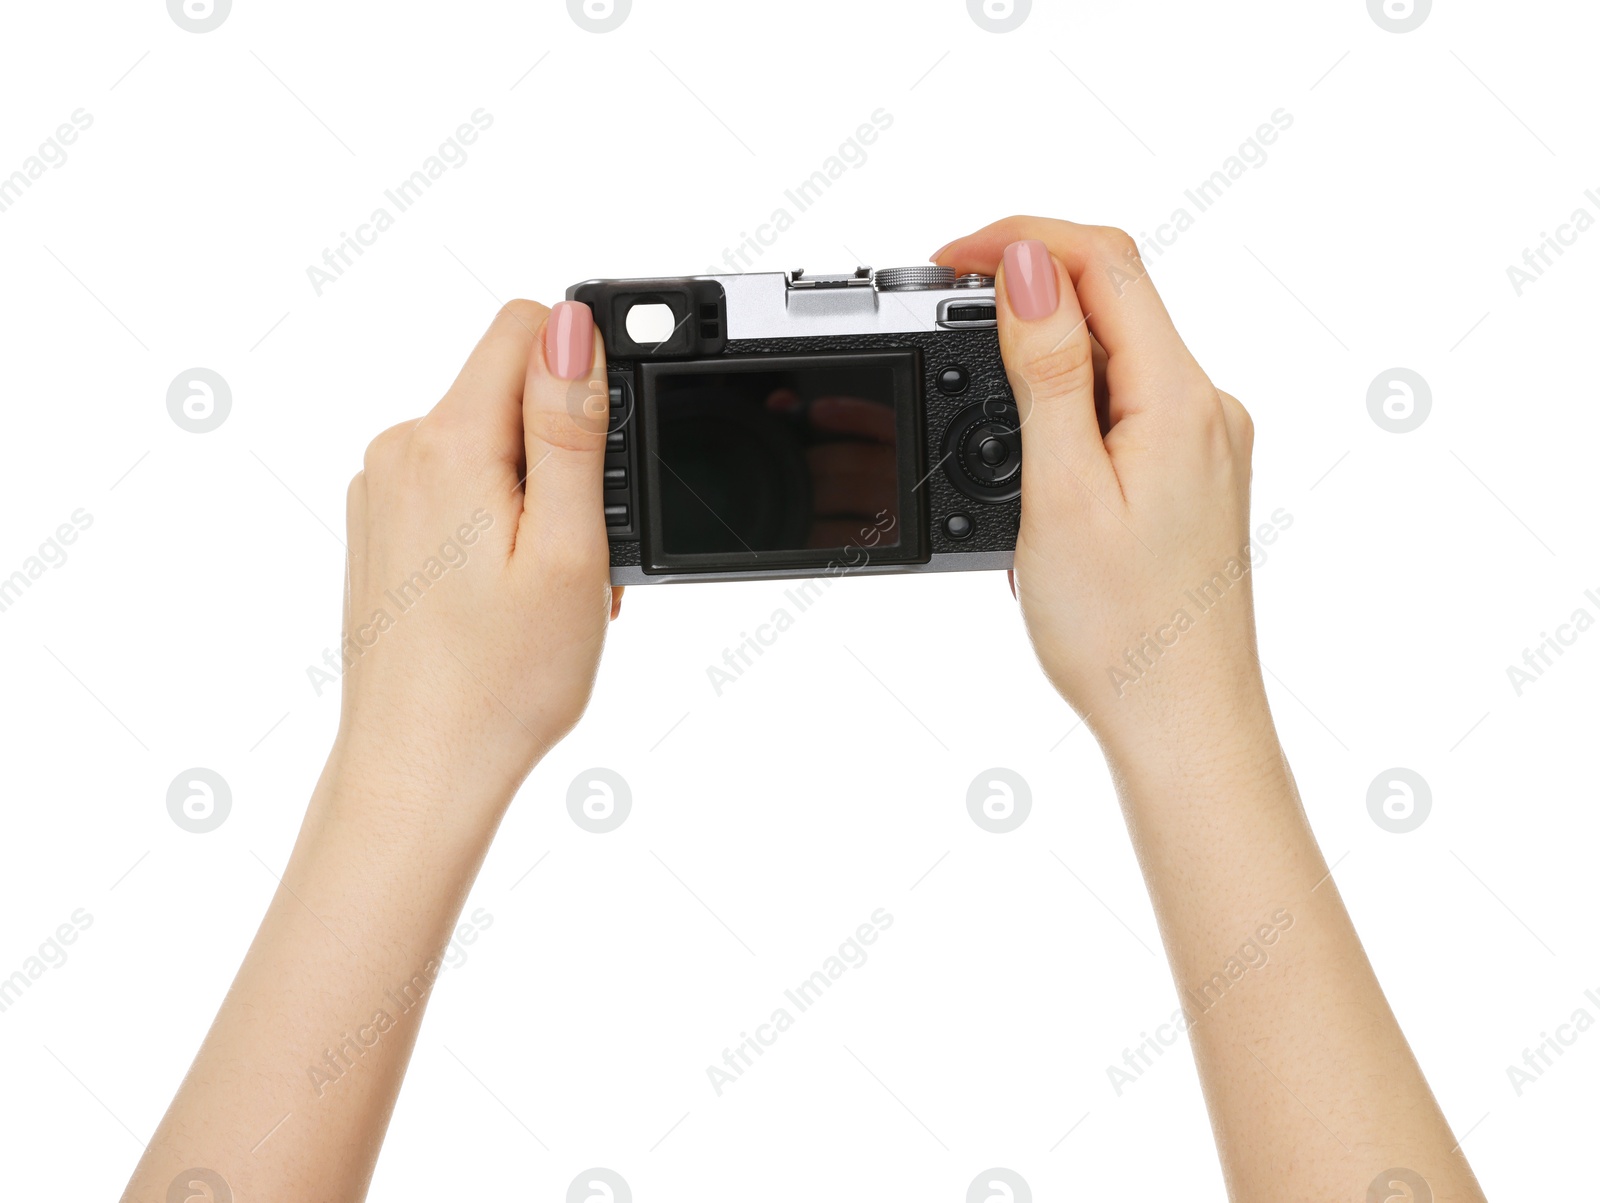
(616, 515)
(621, 403)
(983, 452)
(913, 279)
(959, 526)
(991, 452)
(616, 478)
(953, 379)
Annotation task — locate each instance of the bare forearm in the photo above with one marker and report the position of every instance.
(314, 1037)
(447, 704)
(1312, 1089)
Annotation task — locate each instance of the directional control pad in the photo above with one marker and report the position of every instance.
(983, 449)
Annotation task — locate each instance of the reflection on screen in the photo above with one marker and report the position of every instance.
(759, 461)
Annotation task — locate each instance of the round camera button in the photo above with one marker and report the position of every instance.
(953, 379)
(959, 526)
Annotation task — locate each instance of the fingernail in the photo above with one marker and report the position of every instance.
(1030, 280)
(934, 258)
(569, 339)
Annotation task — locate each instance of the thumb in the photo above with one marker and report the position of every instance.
(1049, 359)
(565, 407)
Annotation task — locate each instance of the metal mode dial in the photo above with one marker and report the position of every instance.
(913, 279)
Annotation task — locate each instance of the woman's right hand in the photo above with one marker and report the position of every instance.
(1133, 555)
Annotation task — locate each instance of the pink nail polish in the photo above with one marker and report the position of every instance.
(569, 339)
(1030, 280)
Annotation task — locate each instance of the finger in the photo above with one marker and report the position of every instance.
(1241, 429)
(482, 410)
(852, 459)
(1102, 392)
(1049, 360)
(854, 415)
(858, 537)
(784, 401)
(833, 532)
(616, 601)
(355, 570)
(846, 486)
(1124, 310)
(565, 437)
(355, 525)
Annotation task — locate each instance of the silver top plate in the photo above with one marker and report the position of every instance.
(805, 305)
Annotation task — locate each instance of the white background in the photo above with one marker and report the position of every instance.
(1018, 967)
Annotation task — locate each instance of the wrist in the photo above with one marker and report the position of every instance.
(404, 794)
(1221, 726)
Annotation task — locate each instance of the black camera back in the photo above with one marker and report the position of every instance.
(774, 425)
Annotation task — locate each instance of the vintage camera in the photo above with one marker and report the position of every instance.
(784, 424)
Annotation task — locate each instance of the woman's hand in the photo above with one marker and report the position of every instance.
(1132, 566)
(1132, 563)
(476, 605)
(478, 591)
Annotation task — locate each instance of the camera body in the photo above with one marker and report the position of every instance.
(784, 424)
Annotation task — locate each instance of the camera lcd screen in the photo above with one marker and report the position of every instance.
(785, 459)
